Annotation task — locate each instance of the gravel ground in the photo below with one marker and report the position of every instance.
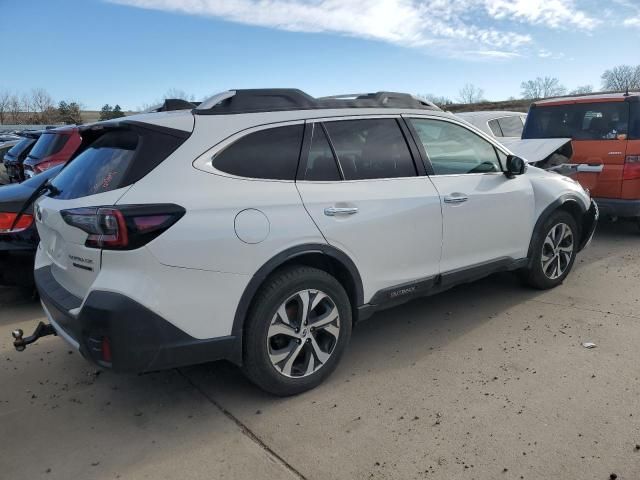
(487, 381)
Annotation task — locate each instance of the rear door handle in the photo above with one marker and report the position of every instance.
(333, 211)
(456, 198)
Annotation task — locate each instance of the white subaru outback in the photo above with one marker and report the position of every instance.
(262, 225)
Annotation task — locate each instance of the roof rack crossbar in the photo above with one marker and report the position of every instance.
(287, 99)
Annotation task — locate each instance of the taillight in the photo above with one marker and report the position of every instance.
(41, 167)
(11, 223)
(631, 168)
(124, 227)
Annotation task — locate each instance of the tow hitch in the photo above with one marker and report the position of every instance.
(42, 330)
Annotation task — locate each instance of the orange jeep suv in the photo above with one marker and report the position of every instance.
(605, 134)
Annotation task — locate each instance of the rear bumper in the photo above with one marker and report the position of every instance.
(618, 207)
(17, 256)
(138, 340)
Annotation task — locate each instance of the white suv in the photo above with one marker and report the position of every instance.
(260, 226)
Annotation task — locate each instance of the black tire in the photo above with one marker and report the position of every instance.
(280, 287)
(535, 275)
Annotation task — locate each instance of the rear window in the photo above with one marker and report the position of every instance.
(582, 121)
(48, 144)
(116, 159)
(270, 154)
(21, 146)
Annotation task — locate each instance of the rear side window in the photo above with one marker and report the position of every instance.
(48, 144)
(495, 128)
(270, 154)
(114, 160)
(321, 164)
(511, 126)
(369, 149)
(634, 125)
(582, 121)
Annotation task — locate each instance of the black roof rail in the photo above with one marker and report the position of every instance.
(283, 99)
(172, 104)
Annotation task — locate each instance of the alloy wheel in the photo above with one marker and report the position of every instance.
(557, 251)
(303, 333)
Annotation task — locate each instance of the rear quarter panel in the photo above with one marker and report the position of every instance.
(631, 188)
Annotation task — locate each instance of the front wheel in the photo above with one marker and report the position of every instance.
(297, 330)
(554, 251)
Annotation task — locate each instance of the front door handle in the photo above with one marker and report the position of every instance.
(456, 198)
(333, 211)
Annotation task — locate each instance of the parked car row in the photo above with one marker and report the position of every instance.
(37, 151)
(260, 226)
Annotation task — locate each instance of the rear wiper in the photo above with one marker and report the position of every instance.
(48, 187)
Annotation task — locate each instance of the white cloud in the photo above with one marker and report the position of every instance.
(498, 54)
(632, 22)
(438, 24)
(549, 13)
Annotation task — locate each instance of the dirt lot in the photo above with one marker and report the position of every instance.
(487, 381)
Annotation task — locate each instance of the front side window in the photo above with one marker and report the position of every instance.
(370, 149)
(511, 126)
(452, 149)
(581, 121)
(269, 154)
(321, 164)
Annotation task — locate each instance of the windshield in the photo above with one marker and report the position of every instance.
(48, 144)
(21, 146)
(582, 121)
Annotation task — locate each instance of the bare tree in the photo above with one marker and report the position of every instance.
(5, 95)
(470, 94)
(542, 88)
(581, 90)
(621, 78)
(15, 106)
(42, 104)
(25, 108)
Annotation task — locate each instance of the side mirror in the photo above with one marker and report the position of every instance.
(515, 166)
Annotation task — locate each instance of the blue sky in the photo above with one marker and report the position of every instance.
(132, 51)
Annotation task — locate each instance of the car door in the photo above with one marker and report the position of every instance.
(359, 181)
(487, 217)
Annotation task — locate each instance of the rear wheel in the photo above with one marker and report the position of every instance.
(554, 251)
(296, 331)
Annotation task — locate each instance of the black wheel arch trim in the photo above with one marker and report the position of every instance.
(280, 259)
(546, 213)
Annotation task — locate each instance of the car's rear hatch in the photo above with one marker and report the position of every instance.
(118, 155)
